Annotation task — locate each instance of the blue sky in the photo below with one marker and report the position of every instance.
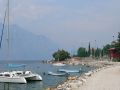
(70, 23)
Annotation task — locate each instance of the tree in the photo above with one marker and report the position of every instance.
(81, 52)
(61, 55)
(93, 52)
(102, 53)
(118, 36)
(89, 50)
(97, 53)
(117, 44)
(106, 48)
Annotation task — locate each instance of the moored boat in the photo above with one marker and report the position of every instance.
(57, 74)
(69, 71)
(28, 75)
(58, 64)
(9, 77)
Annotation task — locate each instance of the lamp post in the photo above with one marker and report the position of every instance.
(95, 44)
(113, 38)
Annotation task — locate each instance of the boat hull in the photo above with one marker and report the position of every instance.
(35, 77)
(13, 80)
(58, 64)
(28, 75)
(57, 74)
(69, 71)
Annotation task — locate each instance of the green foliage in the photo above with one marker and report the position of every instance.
(93, 52)
(116, 59)
(89, 50)
(106, 48)
(97, 52)
(117, 44)
(117, 47)
(61, 55)
(102, 53)
(118, 36)
(82, 52)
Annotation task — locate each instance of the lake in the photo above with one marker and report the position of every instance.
(39, 68)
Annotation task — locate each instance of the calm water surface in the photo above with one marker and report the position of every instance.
(37, 67)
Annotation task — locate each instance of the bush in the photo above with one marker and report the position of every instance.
(116, 59)
(61, 55)
(82, 52)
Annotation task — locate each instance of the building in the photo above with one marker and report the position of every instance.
(113, 54)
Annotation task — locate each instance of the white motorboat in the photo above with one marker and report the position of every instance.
(69, 71)
(19, 77)
(58, 64)
(28, 75)
(9, 77)
(57, 74)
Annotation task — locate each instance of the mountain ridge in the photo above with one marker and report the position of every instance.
(25, 45)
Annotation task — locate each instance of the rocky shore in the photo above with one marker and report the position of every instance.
(90, 62)
(75, 82)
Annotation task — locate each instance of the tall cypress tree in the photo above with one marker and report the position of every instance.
(97, 53)
(89, 50)
(118, 36)
(93, 52)
(117, 44)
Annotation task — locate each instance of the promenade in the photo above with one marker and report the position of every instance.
(106, 79)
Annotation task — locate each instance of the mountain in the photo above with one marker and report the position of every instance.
(25, 45)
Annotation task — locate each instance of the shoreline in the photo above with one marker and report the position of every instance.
(105, 79)
(76, 82)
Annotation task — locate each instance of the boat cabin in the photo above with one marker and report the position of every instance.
(22, 72)
(7, 74)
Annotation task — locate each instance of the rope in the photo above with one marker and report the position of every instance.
(1, 38)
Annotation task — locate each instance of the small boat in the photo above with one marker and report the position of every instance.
(19, 77)
(69, 71)
(9, 77)
(57, 74)
(28, 75)
(59, 64)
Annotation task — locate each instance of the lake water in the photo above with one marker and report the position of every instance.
(37, 67)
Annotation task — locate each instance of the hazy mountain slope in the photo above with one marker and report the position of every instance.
(25, 45)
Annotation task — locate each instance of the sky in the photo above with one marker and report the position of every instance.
(69, 23)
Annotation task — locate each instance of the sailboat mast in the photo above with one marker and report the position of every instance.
(8, 39)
